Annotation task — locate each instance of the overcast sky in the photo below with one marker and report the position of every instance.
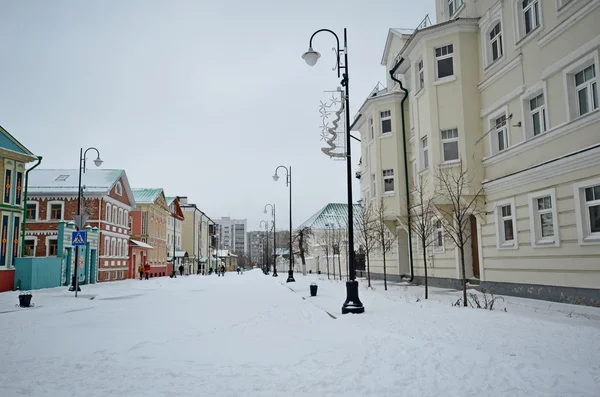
(203, 99)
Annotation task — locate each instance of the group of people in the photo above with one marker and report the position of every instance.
(144, 270)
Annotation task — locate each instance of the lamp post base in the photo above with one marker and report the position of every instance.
(275, 273)
(353, 303)
(290, 278)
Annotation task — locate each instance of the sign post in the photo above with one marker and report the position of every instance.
(78, 239)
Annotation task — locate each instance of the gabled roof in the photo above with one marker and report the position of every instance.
(9, 143)
(146, 196)
(332, 213)
(178, 211)
(390, 37)
(65, 182)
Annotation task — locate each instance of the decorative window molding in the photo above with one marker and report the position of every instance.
(535, 111)
(126, 218)
(516, 62)
(385, 118)
(108, 213)
(543, 219)
(528, 20)
(444, 62)
(36, 210)
(450, 150)
(499, 137)
(454, 7)
(120, 219)
(568, 22)
(506, 224)
(55, 215)
(388, 182)
(113, 247)
(424, 153)
(587, 210)
(115, 215)
(106, 246)
(30, 252)
(51, 245)
(581, 86)
(419, 76)
(371, 128)
(119, 189)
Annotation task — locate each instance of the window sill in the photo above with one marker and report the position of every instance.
(546, 244)
(388, 194)
(526, 39)
(507, 246)
(445, 80)
(492, 65)
(450, 164)
(577, 118)
(591, 240)
(386, 135)
(419, 93)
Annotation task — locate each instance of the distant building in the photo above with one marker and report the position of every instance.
(256, 246)
(197, 230)
(174, 226)
(232, 234)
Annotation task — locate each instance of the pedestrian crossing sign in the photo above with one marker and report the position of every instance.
(79, 239)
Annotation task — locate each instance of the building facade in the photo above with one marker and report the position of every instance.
(232, 234)
(256, 244)
(13, 160)
(174, 227)
(196, 236)
(106, 199)
(506, 92)
(149, 225)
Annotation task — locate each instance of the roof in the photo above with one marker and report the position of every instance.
(140, 244)
(332, 213)
(178, 254)
(388, 42)
(146, 196)
(66, 181)
(10, 143)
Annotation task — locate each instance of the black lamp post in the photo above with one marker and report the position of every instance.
(352, 303)
(288, 183)
(274, 239)
(266, 264)
(98, 162)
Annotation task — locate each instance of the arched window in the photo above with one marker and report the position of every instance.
(113, 247)
(528, 17)
(108, 212)
(125, 248)
(126, 218)
(114, 215)
(120, 248)
(495, 43)
(121, 217)
(119, 189)
(106, 246)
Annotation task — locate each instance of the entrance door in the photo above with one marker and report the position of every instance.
(474, 246)
(93, 266)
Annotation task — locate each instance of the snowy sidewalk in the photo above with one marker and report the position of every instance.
(255, 335)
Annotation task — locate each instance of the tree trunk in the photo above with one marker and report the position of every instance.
(464, 273)
(368, 270)
(384, 273)
(340, 265)
(425, 269)
(302, 257)
(327, 256)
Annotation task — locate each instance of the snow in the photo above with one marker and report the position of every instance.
(255, 335)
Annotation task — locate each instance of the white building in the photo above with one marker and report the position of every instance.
(232, 234)
(196, 236)
(174, 232)
(507, 91)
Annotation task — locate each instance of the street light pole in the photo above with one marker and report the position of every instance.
(98, 162)
(288, 183)
(266, 264)
(352, 303)
(274, 239)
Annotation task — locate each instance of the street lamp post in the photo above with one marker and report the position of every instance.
(288, 183)
(98, 162)
(274, 239)
(352, 303)
(266, 264)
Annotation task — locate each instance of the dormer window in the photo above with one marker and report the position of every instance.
(119, 189)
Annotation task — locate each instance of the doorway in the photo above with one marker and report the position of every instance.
(474, 246)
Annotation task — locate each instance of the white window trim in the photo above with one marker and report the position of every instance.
(535, 231)
(108, 214)
(500, 244)
(115, 214)
(382, 119)
(113, 247)
(503, 111)
(37, 210)
(520, 37)
(35, 244)
(120, 218)
(527, 124)
(487, 44)
(457, 11)
(422, 153)
(417, 79)
(442, 141)
(49, 213)
(452, 77)
(583, 235)
(48, 238)
(383, 178)
(106, 251)
(119, 189)
(371, 129)
(373, 186)
(569, 72)
(562, 6)
(438, 249)
(126, 218)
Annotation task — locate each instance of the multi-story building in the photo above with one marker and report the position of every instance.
(107, 200)
(174, 226)
(505, 91)
(14, 157)
(232, 234)
(196, 236)
(149, 225)
(256, 244)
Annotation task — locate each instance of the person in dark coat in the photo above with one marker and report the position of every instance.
(147, 270)
(181, 270)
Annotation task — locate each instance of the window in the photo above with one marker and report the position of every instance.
(592, 209)
(453, 6)
(415, 175)
(119, 245)
(125, 218)
(30, 246)
(113, 247)
(121, 217)
(499, 132)
(108, 213)
(51, 246)
(421, 74)
(373, 185)
(444, 61)
(55, 211)
(106, 276)
(537, 110)
(531, 15)
(543, 218)
(496, 49)
(386, 122)
(587, 210)
(115, 214)
(31, 211)
(119, 189)
(587, 90)
(388, 181)
(506, 225)
(438, 236)
(371, 128)
(450, 144)
(424, 153)
(106, 246)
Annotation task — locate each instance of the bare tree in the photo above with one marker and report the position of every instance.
(462, 200)
(385, 238)
(366, 234)
(324, 242)
(421, 213)
(302, 239)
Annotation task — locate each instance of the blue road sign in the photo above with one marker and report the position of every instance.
(79, 239)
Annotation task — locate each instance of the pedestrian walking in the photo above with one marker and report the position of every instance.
(238, 270)
(147, 270)
(141, 270)
(181, 270)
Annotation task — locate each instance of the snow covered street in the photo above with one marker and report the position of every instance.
(253, 335)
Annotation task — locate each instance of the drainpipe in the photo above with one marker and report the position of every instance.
(25, 205)
(410, 255)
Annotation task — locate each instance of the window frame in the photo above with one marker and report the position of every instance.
(450, 141)
(106, 246)
(493, 134)
(108, 214)
(455, 5)
(528, 125)
(371, 129)
(419, 75)
(37, 210)
(113, 246)
(501, 242)
(49, 205)
(48, 239)
(535, 227)
(386, 118)
(441, 58)
(519, 16)
(498, 38)
(571, 99)
(424, 149)
(584, 234)
(387, 177)
(120, 218)
(373, 186)
(118, 189)
(115, 214)
(35, 244)
(438, 232)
